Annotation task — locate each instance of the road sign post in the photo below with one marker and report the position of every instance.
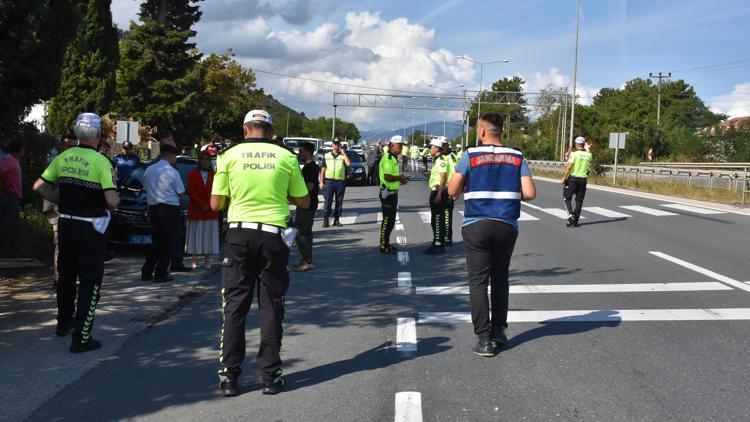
(616, 141)
(127, 131)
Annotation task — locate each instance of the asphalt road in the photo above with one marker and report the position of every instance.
(636, 317)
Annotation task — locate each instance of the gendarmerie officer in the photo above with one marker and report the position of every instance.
(494, 179)
(81, 181)
(437, 182)
(255, 177)
(390, 182)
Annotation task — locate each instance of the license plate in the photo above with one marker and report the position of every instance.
(144, 239)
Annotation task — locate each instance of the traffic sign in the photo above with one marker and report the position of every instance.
(127, 131)
(617, 140)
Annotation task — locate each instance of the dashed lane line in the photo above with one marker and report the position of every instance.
(408, 407)
(406, 335)
(404, 279)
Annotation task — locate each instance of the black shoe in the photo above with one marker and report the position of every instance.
(275, 386)
(180, 269)
(575, 224)
(570, 222)
(228, 384)
(325, 223)
(146, 277)
(385, 250)
(498, 336)
(434, 250)
(63, 330)
(337, 223)
(484, 348)
(163, 279)
(77, 347)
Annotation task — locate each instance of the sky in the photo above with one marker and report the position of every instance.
(410, 45)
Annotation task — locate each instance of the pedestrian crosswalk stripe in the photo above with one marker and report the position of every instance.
(688, 208)
(586, 288)
(558, 212)
(399, 227)
(401, 240)
(605, 212)
(647, 210)
(380, 217)
(406, 335)
(404, 279)
(403, 257)
(600, 315)
(523, 217)
(348, 218)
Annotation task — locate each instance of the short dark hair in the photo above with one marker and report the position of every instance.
(307, 146)
(493, 119)
(13, 146)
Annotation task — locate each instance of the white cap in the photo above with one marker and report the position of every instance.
(438, 142)
(397, 139)
(258, 116)
(89, 120)
(580, 140)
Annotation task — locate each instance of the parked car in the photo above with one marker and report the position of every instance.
(293, 143)
(356, 175)
(130, 223)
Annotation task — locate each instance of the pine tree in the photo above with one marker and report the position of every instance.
(88, 77)
(160, 77)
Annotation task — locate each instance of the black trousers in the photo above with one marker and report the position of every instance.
(253, 259)
(304, 222)
(81, 259)
(165, 226)
(334, 188)
(488, 246)
(389, 206)
(574, 186)
(438, 217)
(449, 205)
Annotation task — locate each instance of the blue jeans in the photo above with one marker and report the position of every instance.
(337, 188)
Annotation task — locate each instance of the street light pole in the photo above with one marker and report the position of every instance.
(481, 78)
(575, 70)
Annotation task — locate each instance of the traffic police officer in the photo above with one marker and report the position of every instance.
(256, 177)
(414, 157)
(452, 159)
(82, 182)
(574, 179)
(438, 196)
(390, 182)
(333, 180)
(494, 180)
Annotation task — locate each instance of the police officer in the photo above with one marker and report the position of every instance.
(333, 181)
(574, 179)
(437, 183)
(452, 161)
(494, 180)
(390, 182)
(256, 177)
(414, 158)
(81, 181)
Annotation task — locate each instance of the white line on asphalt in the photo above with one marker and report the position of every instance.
(348, 218)
(586, 288)
(524, 216)
(688, 208)
(406, 335)
(716, 276)
(408, 407)
(426, 216)
(647, 210)
(404, 279)
(380, 217)
(605, 212)
(401, 240)
(399, 227)
(557, 212)
(600, 315)
(321, 198)
(403, 257)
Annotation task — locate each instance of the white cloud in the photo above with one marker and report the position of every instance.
(735, 104)
(554, 79)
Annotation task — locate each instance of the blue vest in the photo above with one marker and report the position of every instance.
(493, 185)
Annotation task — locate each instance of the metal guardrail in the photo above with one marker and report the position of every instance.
(737, 178)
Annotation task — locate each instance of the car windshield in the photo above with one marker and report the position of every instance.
(135, 180)
(354, 157)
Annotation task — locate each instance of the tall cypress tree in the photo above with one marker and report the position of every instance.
(160, 77)
(88, 77)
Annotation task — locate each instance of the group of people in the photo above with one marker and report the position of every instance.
(254, 181)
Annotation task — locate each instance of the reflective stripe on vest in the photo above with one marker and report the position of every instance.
(493, 185)
(335, 166)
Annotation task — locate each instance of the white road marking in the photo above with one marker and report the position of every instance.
(406, 335)
(403, 257)
(716, 276)
(380, 217)
(605, 212)
(586, 288)
(600, 315)
(399, 227)
(401, 240)
(647, 210)
(524, 216)
(408, 407)
(558, 212)
(404, 279)
(348, 218)
(321, 198)
(688, 208)
(426, 216)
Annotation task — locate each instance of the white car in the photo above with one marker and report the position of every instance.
(293, 142)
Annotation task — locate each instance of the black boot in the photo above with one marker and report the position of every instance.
(325, 223)
(228, 384)
(337, 223)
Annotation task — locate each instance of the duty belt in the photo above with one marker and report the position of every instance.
(75, 217)
(256, 226)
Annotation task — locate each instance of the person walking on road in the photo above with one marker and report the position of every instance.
(81, 182)
(390, 182)
(304, 217)
(258, 179)
(405, 157)
(574, 179)
(494, 179)
(333, 181)
(437, 183)
(163, 187)
(202, 237)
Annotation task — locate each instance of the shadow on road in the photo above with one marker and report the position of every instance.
(566, 326)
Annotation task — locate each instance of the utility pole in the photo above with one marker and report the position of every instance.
(659, 76)
(575, 70)
(333, 127)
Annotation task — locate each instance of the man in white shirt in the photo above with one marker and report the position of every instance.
(163, 187)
